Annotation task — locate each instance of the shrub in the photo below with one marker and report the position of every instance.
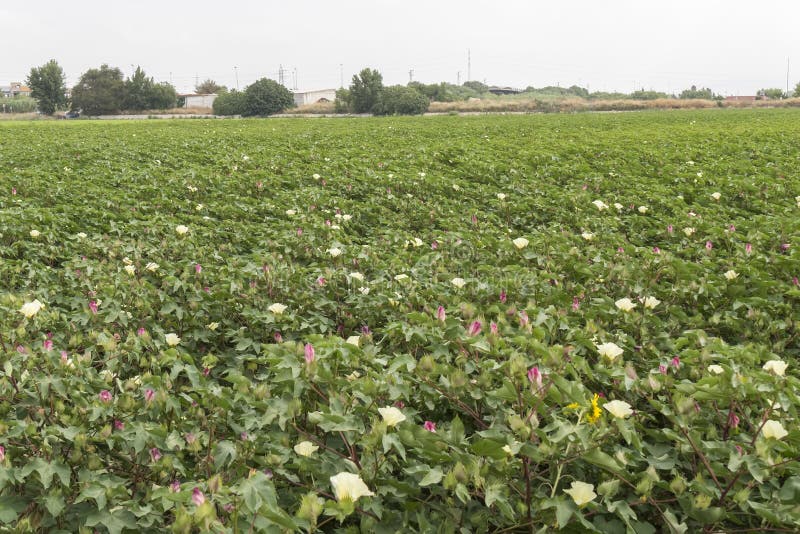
(399, 100)
(343, 102)
(266, 97)
(365, 89)
(232, 103)
(99, 91)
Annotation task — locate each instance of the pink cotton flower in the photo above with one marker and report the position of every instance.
(2, 454)
(198, 268)
(175, 487)
(535, 376)
(669, 229)
(149, 395)
(662, 369)
(523, 319)
(47, 344)
(656, 250)
(441, 314)
(197, 497)
(309, 353)
(434, 245)
(731, 228)
(321, 281)
(13, 190)
(93, 306)
(576, 303)
(155, 454)
(299, 232)
(733, 419)
(119, 425)
(785, 247)
(400, 404)
(795, 281)
(278, 337)
(503, 296)
(474, 219)
(676, 362)
(748, 248)
(493, 327)
(141, 331)
(709, 245)
(105, 396)
(475, 328)
(430, 426)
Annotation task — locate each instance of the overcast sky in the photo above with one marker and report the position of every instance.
(732, 46)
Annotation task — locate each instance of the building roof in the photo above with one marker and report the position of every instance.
(184, 95)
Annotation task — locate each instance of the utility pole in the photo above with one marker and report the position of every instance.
(787, 77)
(341, 76)
(295, 79)
(280, 74)
(236, 70)
(410, 75)
(469, 64)
(458, 78)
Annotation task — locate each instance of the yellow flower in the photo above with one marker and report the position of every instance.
(774, 429)
(172, 339)
(392, 415)
(29, 309)
(596, 413)
(305, 448)
(277, 308)
(573, 406)
(625, 304)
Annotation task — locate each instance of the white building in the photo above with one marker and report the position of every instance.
(302, 98)
(198, 101)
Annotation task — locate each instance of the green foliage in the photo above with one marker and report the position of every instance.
(266, 97)
(210, 87)
(648, 95)
(796, 92)
(232, 103)
(695, 93)
(772, 93)
(477, 86)
(434, 92)
(99, 91)
(143, 93)
(365, 90)
(342, 103)
(399, 100)
(48, 87)
(365, 228)
(18, 104)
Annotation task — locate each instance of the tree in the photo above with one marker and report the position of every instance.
(99, 91)
(364, 90)
(399, 100)
(694, 93)
(233, 103)
(342, 104)
(477, 86)
(796, 90)
(266, 97)
(772, 93)
(48, 87)
(143, 93)
(210, 87)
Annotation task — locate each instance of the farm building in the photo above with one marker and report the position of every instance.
(503, 90)
(192, 100)
(301, 98)
(15, 89)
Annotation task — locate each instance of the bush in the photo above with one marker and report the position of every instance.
(343, 102)
(365, 89)
(232, 103)
(399, 100)
(266, 97)
(19, 104)
(99, 91)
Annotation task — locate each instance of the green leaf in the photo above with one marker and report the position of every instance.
(115, 521)
(10, 508)
(224, 453)
(434, 476)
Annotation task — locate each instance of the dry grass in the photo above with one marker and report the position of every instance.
(318, 108)
(173, 111)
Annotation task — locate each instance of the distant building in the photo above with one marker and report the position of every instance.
(192, 100)
(302, 98)
(495, 90)
(15, 89)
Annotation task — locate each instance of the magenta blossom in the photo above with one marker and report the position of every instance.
(434, 244)
(400, 404)
(119, 425)
(656, 250)
(748, 248)
(278, 337)
(576, 303)
(149, 395)
(93, 306)
(21, 349)
(47, 344)
(430, 426)
(309, 352)
(441, 314)
(620, 250)
(141, 331)
(105, 396)
(676, 362)
(321, 281)
(493, 327)
(535, 376)
(197, 497)
(662, 369)
(709, 245)
(474, 219)
(503, 296)
(795, 281)
(64, 356)
(198, 268)
(2, 454)
(475, 328)
(785, 247)
(733, 419)
(669, 229)
(175, 487)
(523, 319)
(731, 228)
(155, 454)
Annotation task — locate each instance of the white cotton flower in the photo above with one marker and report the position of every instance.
(501, 196)
(172, 339)
(609, 350)
(277, 308)
(81, 235)
(212, 326)
(305, 448)
(335, 252)
(600, 205)
(619, 206)
(776, 367)
(716, 195)
(364, 290)
(353, 340)
(291, 212)
(35, 233)
(651, 302)
(400, 277)
(731, 275)
(774, 429)
(715, 369)
(29, 309)
(642, 209)
(458, 282)
(581, 492)
(349, 487)
(625, 304)
(392, 415)
(618, 408)
(357, 276)
(130, 269)
(152, 267)
(688, 231)
(520, 242)
(588, 236)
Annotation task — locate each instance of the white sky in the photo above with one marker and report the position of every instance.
(732, 46)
